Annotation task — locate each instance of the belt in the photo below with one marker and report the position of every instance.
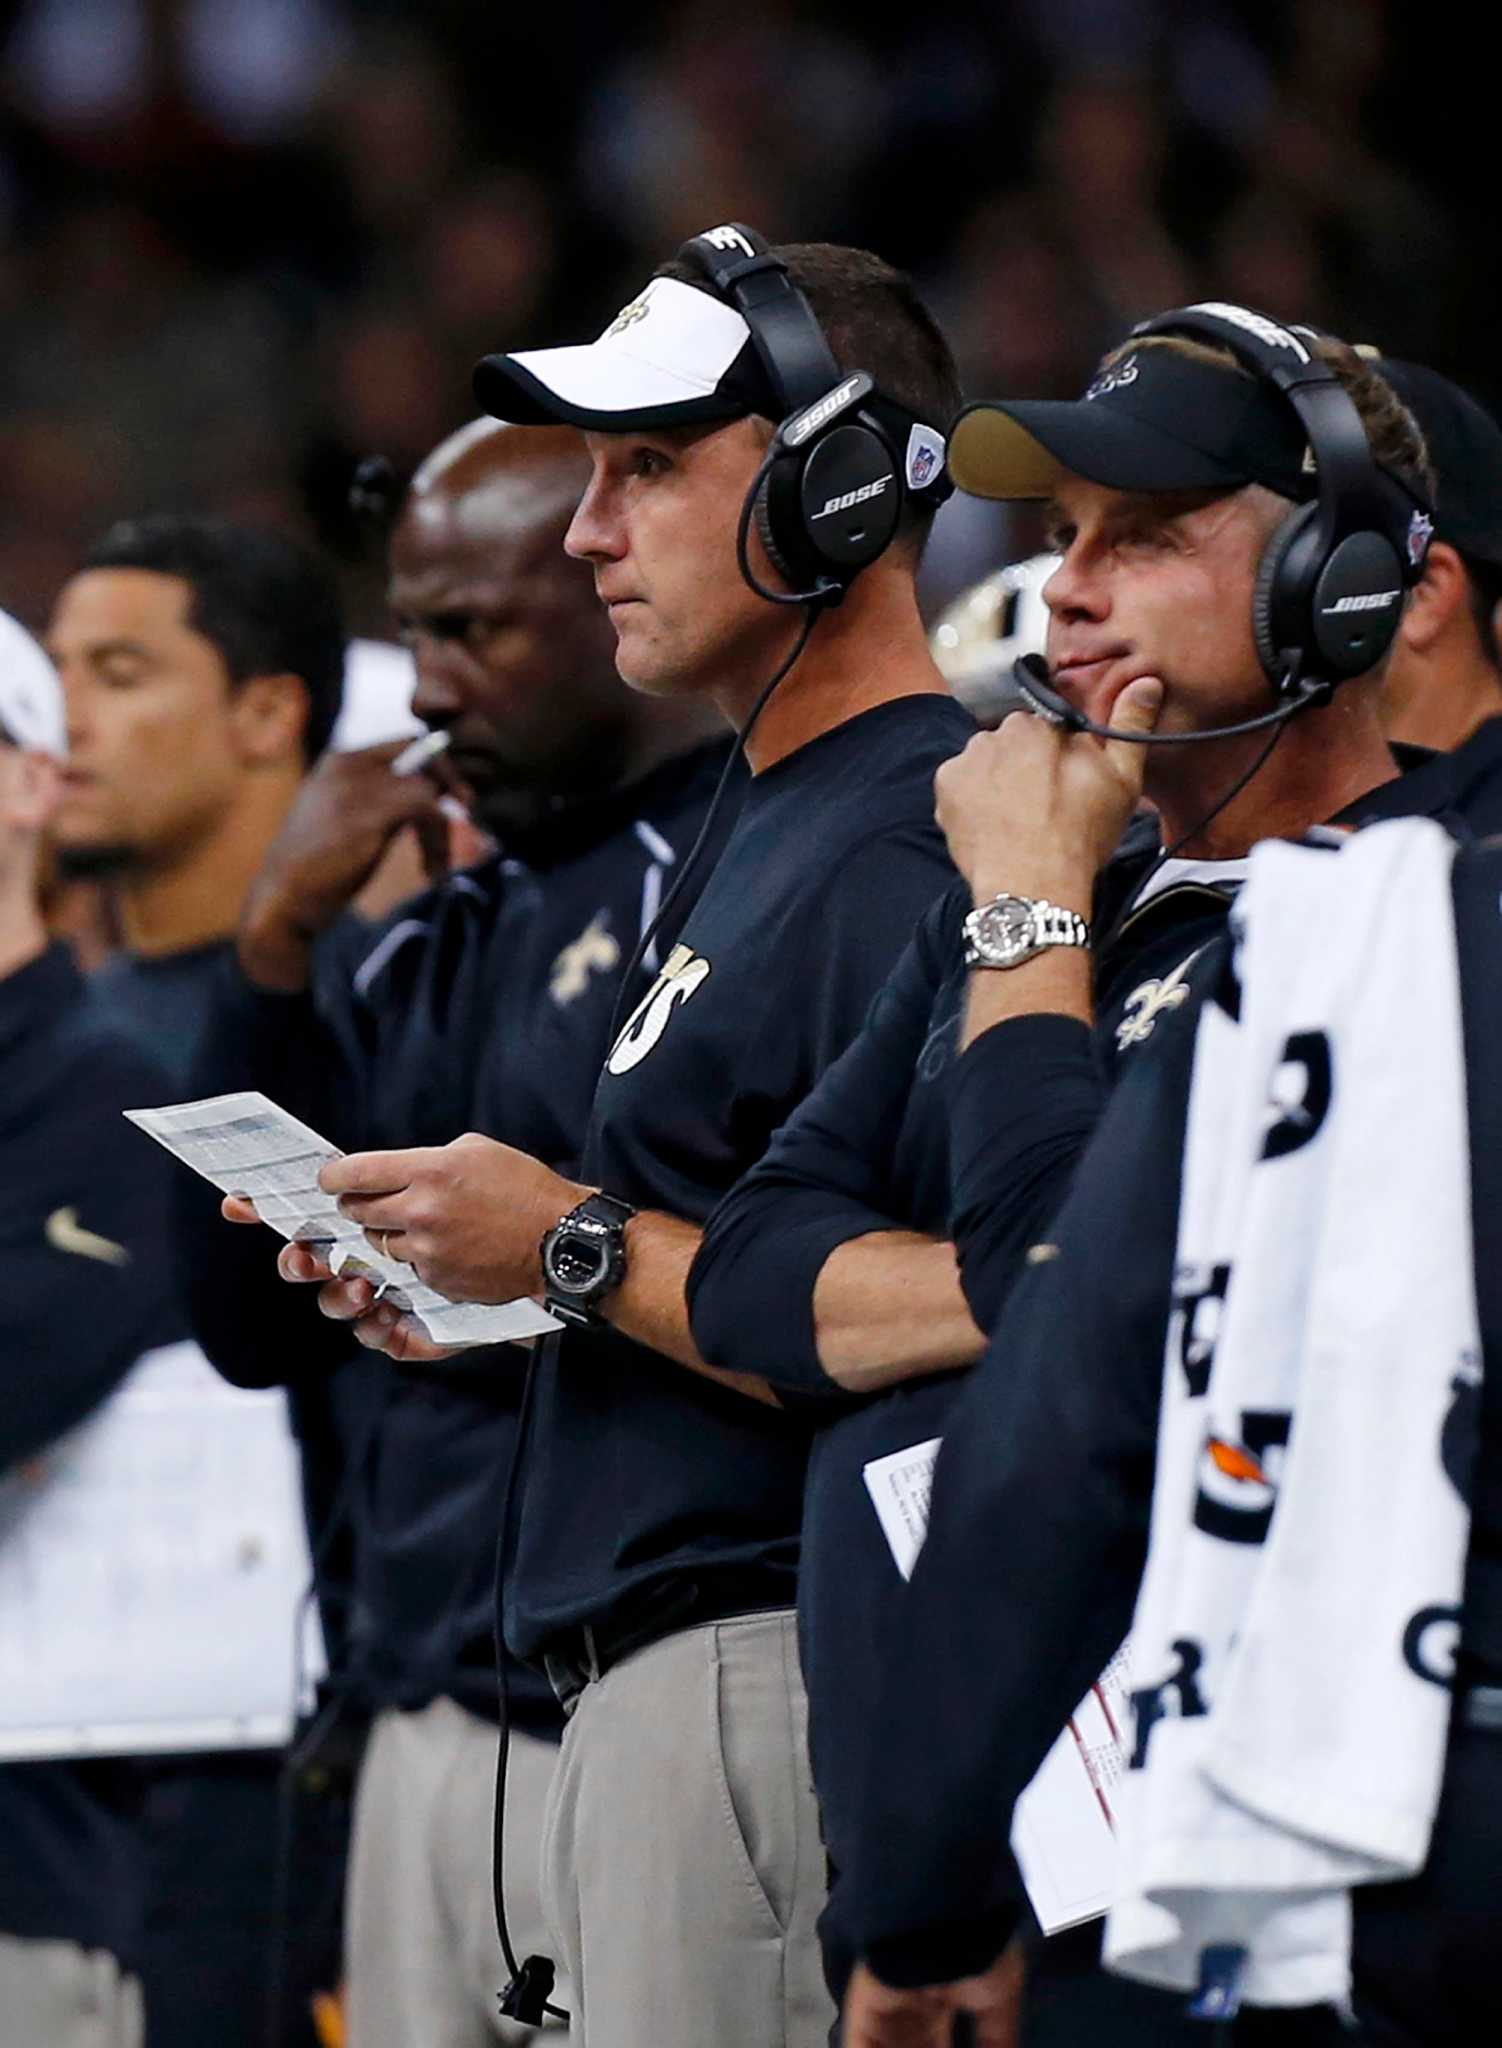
(579, 1656)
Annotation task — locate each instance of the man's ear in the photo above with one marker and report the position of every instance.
(1438, 595)
(268, 716)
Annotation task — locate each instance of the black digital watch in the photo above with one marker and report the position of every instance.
(584, 1259)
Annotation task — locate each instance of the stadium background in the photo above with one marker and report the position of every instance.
(244, 243)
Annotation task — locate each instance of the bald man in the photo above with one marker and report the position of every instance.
(484, 1004)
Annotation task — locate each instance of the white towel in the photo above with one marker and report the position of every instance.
(1291, 1723)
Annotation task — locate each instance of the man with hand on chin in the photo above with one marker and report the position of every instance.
(652, 1543)
(955, 1122)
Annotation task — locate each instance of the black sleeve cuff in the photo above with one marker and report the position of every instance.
(941, 1955)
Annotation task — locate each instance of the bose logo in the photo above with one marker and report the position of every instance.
(821, 410)
(1368, 601)
(1265, 330)
(728, 238)
(848, 498)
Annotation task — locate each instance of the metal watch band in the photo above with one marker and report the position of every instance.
(1030, 925)
(1058, 927)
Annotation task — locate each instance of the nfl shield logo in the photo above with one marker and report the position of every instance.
(1420, 532)
(925, 456)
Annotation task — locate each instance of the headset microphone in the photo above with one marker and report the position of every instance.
(1030, 674)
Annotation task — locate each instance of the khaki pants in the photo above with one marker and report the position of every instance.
(54, 1994)
(683, 1873)
(422, 1956)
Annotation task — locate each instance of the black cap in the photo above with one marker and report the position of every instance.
(1155, 420)
(1465, 447)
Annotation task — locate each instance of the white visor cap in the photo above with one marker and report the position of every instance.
(676, 356)
(31, 697)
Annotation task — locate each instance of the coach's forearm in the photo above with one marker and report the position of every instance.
(888, 1307)
(1054, 983)
(650, 1306)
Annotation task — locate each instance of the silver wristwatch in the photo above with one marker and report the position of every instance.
(1010, 929)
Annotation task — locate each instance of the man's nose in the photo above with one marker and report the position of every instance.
(75, 710)
(1075, 590)
(594, 533)
(438, 697)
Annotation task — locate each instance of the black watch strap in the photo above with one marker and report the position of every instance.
(584, 1259)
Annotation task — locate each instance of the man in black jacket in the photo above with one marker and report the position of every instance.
(482, 1003)
(1035, 1551)
(915, 1133)
(85, 1289)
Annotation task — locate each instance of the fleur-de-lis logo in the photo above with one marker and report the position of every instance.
(627, 317)
(1115, 379)
(1148, 1002)
(595, 951)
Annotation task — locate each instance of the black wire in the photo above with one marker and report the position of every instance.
(302, 1752)
(1278, 718)
(814, 604)
(1059, 712)
(1234, 791)
(737, 753)
(503, 1701)
(1167, 853)
(825, 591)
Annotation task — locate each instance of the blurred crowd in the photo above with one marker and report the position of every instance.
(245, 243)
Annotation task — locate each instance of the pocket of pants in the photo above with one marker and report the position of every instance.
(755, 1748)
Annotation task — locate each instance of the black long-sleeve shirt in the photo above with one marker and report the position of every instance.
(1029, 1575)
(981, 1149)
(637, 1476)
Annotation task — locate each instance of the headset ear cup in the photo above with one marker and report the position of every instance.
(761, 513)
(1273, 601)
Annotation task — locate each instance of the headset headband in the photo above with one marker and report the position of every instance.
(1354, 491)
(788, 339)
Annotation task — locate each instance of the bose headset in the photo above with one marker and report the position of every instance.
(1329, 589)
(828, 496)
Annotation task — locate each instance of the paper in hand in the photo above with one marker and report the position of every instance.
(246, 1145)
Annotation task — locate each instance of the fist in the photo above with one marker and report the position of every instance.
(1038, 811)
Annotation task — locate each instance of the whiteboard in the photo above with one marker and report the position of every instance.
(153, 1568)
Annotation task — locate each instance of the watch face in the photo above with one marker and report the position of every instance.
(1006, 926)
(574, 1264)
